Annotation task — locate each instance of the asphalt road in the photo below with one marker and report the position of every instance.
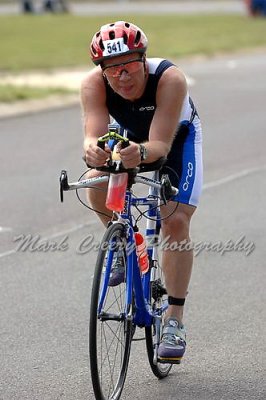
(45, 296)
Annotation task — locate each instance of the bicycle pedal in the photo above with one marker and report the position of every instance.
(169, 361)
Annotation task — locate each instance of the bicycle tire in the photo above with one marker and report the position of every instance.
(157, 296)
(108, 368)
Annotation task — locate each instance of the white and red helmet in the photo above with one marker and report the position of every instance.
(116, 39)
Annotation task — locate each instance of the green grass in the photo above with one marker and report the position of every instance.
(41, 42)
(11, 93)
(50, 41)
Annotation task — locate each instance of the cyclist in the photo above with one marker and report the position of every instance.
(149, 98)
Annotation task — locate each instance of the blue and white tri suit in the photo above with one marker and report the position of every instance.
(184, 161)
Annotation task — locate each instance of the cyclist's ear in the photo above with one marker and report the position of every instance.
(145, 63)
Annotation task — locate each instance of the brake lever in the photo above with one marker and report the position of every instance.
(166, 189)
(63, 184)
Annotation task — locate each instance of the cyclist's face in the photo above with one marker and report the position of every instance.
(126, 75)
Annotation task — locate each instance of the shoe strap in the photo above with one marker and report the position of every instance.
(174, 330)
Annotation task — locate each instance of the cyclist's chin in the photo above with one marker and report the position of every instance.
(128, 92)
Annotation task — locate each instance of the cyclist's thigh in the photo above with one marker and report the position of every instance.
(97, 194)
(93, 173)
(184, 164)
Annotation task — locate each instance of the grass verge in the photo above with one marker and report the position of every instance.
(11, 93)
(51, 41)
(43, 42)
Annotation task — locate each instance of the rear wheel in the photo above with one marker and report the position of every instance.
(110, 331)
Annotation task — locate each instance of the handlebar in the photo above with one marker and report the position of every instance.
(164, 185)
(115, 167)
(112, 135)
(111, 165)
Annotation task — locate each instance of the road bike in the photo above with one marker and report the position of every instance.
(140, 300)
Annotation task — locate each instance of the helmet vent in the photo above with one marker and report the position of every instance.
(137, 38)
(98, 34)
(101, 44)
(125, 38)
(112, 35)
(127, 24)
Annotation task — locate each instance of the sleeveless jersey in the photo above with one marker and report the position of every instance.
(136, 116)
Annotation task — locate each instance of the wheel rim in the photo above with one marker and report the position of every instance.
(110, 331)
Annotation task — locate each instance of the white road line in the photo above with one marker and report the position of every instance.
(7, 253)
(67, 231)
(5, 229)
(53, 236)
(233, 177)
(206, 186)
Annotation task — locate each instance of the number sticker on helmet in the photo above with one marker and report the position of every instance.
(115, 46)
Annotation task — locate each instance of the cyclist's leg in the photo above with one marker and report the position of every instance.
(177, 267)
(177, 262)
(97, 196)
(185, 159)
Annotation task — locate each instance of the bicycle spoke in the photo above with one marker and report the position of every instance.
(110, 333)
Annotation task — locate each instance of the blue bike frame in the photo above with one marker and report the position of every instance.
(135, 283)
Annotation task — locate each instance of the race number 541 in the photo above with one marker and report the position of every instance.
(114, 47)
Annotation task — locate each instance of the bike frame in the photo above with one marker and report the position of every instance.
(135, 283)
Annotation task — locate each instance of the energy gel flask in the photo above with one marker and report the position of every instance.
(117, 186)
(142, 254)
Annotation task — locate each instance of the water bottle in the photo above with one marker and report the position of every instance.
(142, 254)
(117, 186)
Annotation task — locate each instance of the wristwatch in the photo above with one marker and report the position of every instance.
(143, 152)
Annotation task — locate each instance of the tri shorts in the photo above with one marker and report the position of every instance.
(184, 162)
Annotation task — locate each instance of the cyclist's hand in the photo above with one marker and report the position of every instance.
(130, 156)
(95, 156)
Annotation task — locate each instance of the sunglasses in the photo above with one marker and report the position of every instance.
(115, 70)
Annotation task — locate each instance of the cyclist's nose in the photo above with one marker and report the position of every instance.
(124, 75)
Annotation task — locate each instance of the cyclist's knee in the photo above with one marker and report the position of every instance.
(93, 194)
(177, 225)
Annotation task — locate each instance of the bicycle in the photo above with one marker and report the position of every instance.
(141, 299)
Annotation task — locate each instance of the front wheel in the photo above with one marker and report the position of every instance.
(110, 331)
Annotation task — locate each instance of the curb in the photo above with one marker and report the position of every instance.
(23, 107)
(71, 79)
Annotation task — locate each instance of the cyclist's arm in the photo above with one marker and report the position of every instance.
(95, 116)
(171, 92)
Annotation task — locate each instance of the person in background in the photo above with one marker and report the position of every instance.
(256, 7)
(55, 6)
(27, 6)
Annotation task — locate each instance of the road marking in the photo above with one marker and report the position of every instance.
(233, 177)
(67, 231)
(7, 253)
(5, 229)
(53, 236)
(206, 186)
